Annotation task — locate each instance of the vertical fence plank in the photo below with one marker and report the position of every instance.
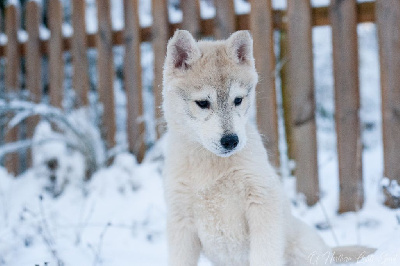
(225, 18)
(283, 57)
(261, 26)
(343, 16)
(33, 63)
(301, 97)
(2, 129)
(80, 78)
(56, 63)
(13, 57)
(160, 37)
(3, 138)
(388, 23)
(133, 79)
(191, 17)
(33, 56)
(106, 70)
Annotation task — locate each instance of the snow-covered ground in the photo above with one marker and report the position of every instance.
(118, 218)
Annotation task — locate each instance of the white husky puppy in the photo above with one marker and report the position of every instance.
(224, 198)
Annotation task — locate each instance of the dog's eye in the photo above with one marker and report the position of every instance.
(238, 101)
(203, 104)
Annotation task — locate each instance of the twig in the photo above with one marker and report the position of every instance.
(84, 224)
(97, 258)
(49, 240)
(358, 235)
(82, 141)
(329, 222)
(27, 143)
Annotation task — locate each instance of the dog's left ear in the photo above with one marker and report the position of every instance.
(240, 47)
(182, 50)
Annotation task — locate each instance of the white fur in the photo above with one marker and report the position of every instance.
(230, 208)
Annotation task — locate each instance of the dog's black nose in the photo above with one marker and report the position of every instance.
(230, 141)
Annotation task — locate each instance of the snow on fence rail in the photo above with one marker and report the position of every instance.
(295, 27)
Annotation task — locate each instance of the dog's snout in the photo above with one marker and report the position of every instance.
(230, 141)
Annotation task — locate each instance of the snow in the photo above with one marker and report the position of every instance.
(109, 213)
(145, 17)
(242, 7)
(91, 16)
(207, 10)
(117, 14)
(44, 33)
(3, 39)
(22, 36)
(13, 2)
(67, 29)
(118, 217)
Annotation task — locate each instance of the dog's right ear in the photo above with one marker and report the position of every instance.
(182, 50)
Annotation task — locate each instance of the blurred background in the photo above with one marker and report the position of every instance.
(81, 136)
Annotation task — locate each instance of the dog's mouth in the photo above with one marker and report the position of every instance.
(221, 152)
(227, 153)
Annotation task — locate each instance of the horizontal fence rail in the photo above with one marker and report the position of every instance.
(297, 74)
(320, 17)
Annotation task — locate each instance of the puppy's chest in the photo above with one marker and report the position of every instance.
(219, 212)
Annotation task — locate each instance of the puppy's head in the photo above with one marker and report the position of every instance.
(209, 90)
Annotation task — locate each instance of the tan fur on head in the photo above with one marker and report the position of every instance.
(183, 53)
(216, 71)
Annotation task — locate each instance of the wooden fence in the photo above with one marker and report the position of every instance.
(295, 25)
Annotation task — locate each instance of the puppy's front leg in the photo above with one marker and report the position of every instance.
(266, 226)
(183, 243)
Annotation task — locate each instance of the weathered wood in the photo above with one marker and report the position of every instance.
(33, 64)
(33, 56)
(56, 62)
(12, 52)
(160, 35)
(12, 73)
(225, 23)
(267, 118)
(347, 101)
(133, 79)
(33, 59)
(191, 17)
(301, 96)
(105, 67)
(365, 13)
(388, 23)
(2, 72)
(283, 57)
(80, 77)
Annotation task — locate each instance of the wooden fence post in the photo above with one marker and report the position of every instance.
(191, 17)
(261, 26)
(160, 35)
(79, 53)
(2, 72)
(133, 79)
(347, 101)
(388, 24)
(33, 63)
(13, 58)
(283, 56)
(301, 97)
(33, 54)
(225, 23)
(106, 70)
(56, 62)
